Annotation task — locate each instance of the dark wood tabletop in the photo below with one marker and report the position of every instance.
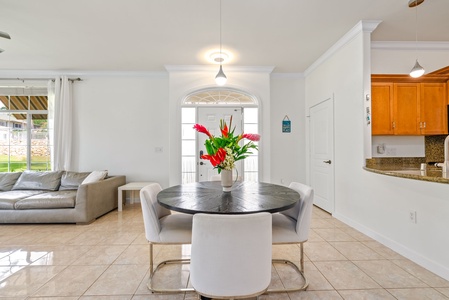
(245, 197)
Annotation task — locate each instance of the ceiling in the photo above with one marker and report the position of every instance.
(146, 35)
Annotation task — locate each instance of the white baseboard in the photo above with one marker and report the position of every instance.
(424, 262)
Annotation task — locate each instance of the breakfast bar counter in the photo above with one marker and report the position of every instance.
(431, 174)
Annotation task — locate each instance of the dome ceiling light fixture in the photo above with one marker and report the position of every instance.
(417, 70)
(6, 36)
(220, 78)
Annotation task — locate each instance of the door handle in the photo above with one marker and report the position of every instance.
(327, 161)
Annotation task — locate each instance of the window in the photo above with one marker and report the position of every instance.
(220, 97)
(24, 136)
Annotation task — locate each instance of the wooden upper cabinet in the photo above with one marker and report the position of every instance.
(406, 108)
(433, 109)
(382, 108)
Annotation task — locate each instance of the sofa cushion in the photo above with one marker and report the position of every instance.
(95, 176)
(45, 181)
(72, 180)
(9, 198)
(59, 199)
(7, 180)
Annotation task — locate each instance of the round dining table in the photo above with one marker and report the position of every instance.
(244, 198)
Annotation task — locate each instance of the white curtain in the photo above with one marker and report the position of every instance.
(60, 122)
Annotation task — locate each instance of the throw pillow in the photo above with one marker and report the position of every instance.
(44, 181)
(7, 180)
(72, 180)
(95, 176)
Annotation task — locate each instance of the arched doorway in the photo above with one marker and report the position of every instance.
(196, 106)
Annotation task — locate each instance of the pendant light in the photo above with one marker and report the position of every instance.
(221, 78)
(417, 70)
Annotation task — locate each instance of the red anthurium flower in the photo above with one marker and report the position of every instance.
(217, 158)
(225, 131)
(202, 129)
(252, 137)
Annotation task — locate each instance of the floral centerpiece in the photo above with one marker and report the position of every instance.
(223, 151)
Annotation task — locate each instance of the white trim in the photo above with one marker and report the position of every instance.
(364, 25)
(287, 75)
(53, 73)
(409, 45)
(202, 68)
(431, 265)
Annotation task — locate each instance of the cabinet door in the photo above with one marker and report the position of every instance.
(382, 108)
(433, 117)
(406, 109)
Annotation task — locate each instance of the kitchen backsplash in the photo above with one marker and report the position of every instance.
(435, 148)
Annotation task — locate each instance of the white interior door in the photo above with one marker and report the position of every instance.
(322, 154)
(210, 118)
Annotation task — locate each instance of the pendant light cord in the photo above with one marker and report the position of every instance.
(416, 28)
(221, 55)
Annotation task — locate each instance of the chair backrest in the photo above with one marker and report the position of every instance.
(231, 254)
(302, 211)
(152, 211)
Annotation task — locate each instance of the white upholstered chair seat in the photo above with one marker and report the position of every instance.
(284, 229)
(176, 229)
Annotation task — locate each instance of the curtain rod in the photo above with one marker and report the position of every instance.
(52, 79)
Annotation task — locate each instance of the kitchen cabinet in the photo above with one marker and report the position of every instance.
(409, 108)
(382, 108)
(433, 109)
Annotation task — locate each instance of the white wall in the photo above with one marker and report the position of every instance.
(399, 146)
(288, 150)
(118, 122)
(377, 205)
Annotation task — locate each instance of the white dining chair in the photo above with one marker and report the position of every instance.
(163, 228)
(231, 255)
(292, 227)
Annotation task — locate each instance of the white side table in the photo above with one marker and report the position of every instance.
(133, 187)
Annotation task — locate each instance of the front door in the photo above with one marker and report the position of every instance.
(210, 118)
(321, 154)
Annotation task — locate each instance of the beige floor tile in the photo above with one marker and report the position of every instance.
(22, 257)
(61, 255)
(428, 277)
(7, 271)
(389, 275)
(321, 223)
(52, 298)
(357, 234)
(444, 291)
(356, 251)
(383, 250)
(118, 280)
(317, 282)
(345, 275)
(322, 251)
(314, 237)
(26, 281)
(275, 296)
(81, 278)
(161, 297)
(100, 255)
(417, 294)
(134, 255)
(109, 297)
(290, 252)
(334, 235)
(315, 295)
(374, 294)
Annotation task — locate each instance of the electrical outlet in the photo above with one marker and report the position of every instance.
(412, 216)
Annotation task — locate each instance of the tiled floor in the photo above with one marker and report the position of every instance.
(108, 259)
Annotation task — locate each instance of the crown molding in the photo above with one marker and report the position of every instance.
(54, 73)
(287, 75)
(213, 68)
(362, 26)
(409, 45)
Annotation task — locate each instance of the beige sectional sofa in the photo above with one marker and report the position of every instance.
(56, 197)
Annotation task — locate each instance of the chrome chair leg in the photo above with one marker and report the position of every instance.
(299, 270)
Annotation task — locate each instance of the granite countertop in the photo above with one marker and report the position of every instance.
(431, 174)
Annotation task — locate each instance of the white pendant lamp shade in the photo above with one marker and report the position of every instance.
(221, 78)
(417, 70)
